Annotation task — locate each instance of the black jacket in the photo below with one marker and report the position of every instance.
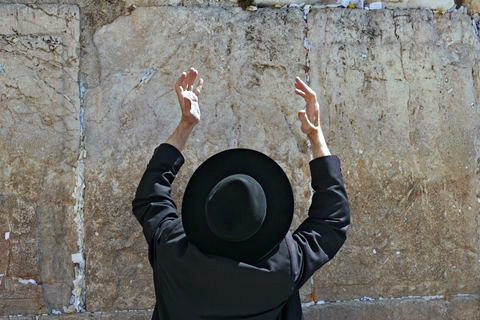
(191, 285)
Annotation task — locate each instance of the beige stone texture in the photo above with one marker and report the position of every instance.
(248, 61)
(39, 130)
(412, 4)
(472, 5)
(399, 92)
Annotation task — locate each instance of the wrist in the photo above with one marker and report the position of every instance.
(318, 144)
(314, 137)
(317, 137)
(185, 125)
(179, 136)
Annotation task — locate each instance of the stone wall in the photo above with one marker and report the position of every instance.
(86, 94)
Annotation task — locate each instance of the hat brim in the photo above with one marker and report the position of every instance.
(278, 193)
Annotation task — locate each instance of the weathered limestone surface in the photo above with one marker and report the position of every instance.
(400, 97)
(39, 130)
(248, 61)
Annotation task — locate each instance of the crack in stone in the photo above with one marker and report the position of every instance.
(59, 93)
(476, 25)
(37, 7)
(306, 42)
(43, 42)
(395, 24)
(10, 41)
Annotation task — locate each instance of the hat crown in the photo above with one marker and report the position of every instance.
(236, 207)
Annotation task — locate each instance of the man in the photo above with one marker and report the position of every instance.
(230, 255)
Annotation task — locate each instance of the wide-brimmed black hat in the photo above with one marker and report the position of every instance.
(238, 204)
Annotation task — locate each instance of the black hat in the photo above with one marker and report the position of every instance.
(238, 204)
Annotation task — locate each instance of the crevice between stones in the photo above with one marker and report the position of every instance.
(78, 297)
(459, 296)
(92, 314)
(308, 46)
(306, 43)
(476, 24)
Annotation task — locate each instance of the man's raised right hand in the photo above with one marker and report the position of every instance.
(310, 119)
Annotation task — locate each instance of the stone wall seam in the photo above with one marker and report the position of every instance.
(476, 25)
(78, 298)
(366, 299)
(308, 46)
(91, 313)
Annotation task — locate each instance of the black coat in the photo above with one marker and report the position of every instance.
(191, 285)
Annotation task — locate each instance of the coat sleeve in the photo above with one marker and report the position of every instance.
(323, 232)
(153, 205)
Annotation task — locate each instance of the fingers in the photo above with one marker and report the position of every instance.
(180, 82)
(300, 93)
(310, 98)
(303, 86)
(191, 75)
(180, 96)
(199, 87)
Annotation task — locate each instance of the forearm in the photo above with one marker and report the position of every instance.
(179, 137)
(153, 204)
(319, 145)
(322, 234)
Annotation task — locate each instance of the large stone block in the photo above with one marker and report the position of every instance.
(400, 104)
(39, 130)
(248, 60)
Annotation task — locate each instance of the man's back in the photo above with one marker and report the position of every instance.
(194, 285)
